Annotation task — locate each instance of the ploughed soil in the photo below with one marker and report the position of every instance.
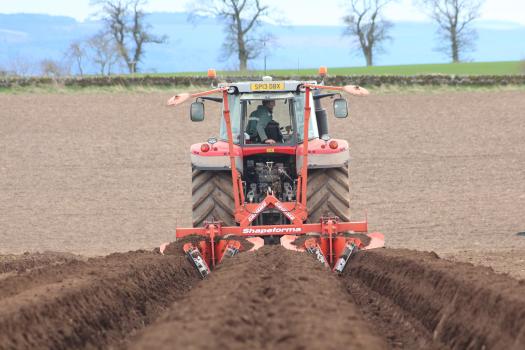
(419, 301)
(94, 174)
(270, 298)
(386, 298)
(28, 261)
(98, 173)
(90, 303)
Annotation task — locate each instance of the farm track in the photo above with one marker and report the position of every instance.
(272, 298)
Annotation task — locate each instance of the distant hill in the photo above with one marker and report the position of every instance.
(29, 38)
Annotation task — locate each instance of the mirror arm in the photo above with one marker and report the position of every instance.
(209, 98)
(320, 96)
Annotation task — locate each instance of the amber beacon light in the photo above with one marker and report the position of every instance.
(212, 74)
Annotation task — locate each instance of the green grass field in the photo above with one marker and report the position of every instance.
(470, 68)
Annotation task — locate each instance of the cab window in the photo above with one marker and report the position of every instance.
(269, 119)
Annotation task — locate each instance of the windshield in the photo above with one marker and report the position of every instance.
(277, 117)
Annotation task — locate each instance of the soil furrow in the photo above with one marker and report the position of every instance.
(92, 304)
(269, 299)
(431, 303)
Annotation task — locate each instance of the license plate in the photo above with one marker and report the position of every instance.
(269, 86)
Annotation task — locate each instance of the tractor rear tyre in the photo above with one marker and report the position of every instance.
(328, 193)
(212, 197)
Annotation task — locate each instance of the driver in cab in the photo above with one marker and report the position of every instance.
(261, 126)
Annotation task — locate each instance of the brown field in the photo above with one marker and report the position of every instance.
(98, 173)
(93, 174)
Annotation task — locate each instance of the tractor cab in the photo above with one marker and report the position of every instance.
(257, 115)
(249, 107)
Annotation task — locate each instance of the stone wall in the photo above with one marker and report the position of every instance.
(364, 80)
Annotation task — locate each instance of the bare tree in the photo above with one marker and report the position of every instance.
(51, 68)
(103, 52)
(241, 18)
(453, 18)
(140, 31)
(77, 52)
(365, 25)
(21, 66)
(125, 23)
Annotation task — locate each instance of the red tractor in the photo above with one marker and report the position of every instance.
(273, 174)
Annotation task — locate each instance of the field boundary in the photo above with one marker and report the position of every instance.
(365, 80)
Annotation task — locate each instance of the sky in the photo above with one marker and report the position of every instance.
(304, 12)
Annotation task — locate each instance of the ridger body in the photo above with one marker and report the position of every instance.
(273, 175)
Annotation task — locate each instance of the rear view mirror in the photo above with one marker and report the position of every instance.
(340, 108)
(197, 112)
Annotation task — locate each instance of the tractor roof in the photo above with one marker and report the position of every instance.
(267, 85)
